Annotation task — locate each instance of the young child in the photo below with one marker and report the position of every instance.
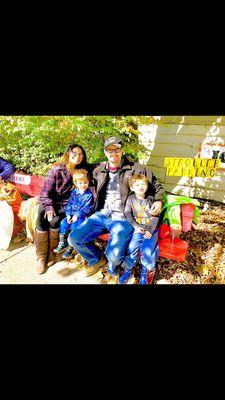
(145, 235)
(77, 209)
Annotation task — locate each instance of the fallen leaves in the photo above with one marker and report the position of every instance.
(205, 261)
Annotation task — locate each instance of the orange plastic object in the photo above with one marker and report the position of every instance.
(18, 225)
(104, 237)
(187, 213)
(164, 231)
(175, 250)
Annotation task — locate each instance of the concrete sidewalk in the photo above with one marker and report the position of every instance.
(17, 266)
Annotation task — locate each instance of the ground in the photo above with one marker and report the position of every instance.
(17, 266)
(205, 261)
(204, 264)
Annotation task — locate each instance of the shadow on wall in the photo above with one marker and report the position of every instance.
(182, 136)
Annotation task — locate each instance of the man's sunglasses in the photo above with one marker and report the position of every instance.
(110, 151)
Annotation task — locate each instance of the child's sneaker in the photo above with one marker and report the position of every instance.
(143, 277)
(125, 277)
(68, 252)
(62, 244)
(60, 248)
(151, 275)
(147, 276)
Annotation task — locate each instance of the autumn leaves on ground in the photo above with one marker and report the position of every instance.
(205, 261)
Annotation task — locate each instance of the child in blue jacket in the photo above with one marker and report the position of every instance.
(77, 209)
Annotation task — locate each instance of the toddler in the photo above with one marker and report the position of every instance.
(145, 236)
(77, 209)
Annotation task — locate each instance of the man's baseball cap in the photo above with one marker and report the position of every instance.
(113, 140)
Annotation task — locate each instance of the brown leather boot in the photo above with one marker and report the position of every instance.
(93, 269)
(53, 243)
(41, 241)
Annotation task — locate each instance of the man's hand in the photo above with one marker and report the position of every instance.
(74, 219)
(156, 207)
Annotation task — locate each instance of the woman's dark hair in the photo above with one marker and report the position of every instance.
(65, 156)
(71, 147)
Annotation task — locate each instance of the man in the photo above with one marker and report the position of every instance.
(112, 190)
(6, 169)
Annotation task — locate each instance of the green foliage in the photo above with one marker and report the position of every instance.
(33, 143)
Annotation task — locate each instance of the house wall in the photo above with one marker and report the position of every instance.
(181, 136)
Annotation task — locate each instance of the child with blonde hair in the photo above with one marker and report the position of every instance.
(77, 209)
(145, 236)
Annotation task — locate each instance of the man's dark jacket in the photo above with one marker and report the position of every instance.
(128, 168)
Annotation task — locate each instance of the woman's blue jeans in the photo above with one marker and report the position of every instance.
(148, 249)
(90, 229)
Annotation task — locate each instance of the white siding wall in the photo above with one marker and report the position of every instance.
(183, 139)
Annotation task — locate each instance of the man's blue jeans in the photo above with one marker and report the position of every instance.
(148, 249)
(90, 229)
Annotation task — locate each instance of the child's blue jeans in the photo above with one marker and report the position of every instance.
(65, 227)
(148, 248)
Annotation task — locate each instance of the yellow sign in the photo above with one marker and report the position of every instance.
(193, 167)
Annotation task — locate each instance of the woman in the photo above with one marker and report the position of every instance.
(53, 198)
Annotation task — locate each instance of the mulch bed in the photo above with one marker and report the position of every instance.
(205, 261)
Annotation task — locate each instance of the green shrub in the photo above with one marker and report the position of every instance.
(33, 143)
